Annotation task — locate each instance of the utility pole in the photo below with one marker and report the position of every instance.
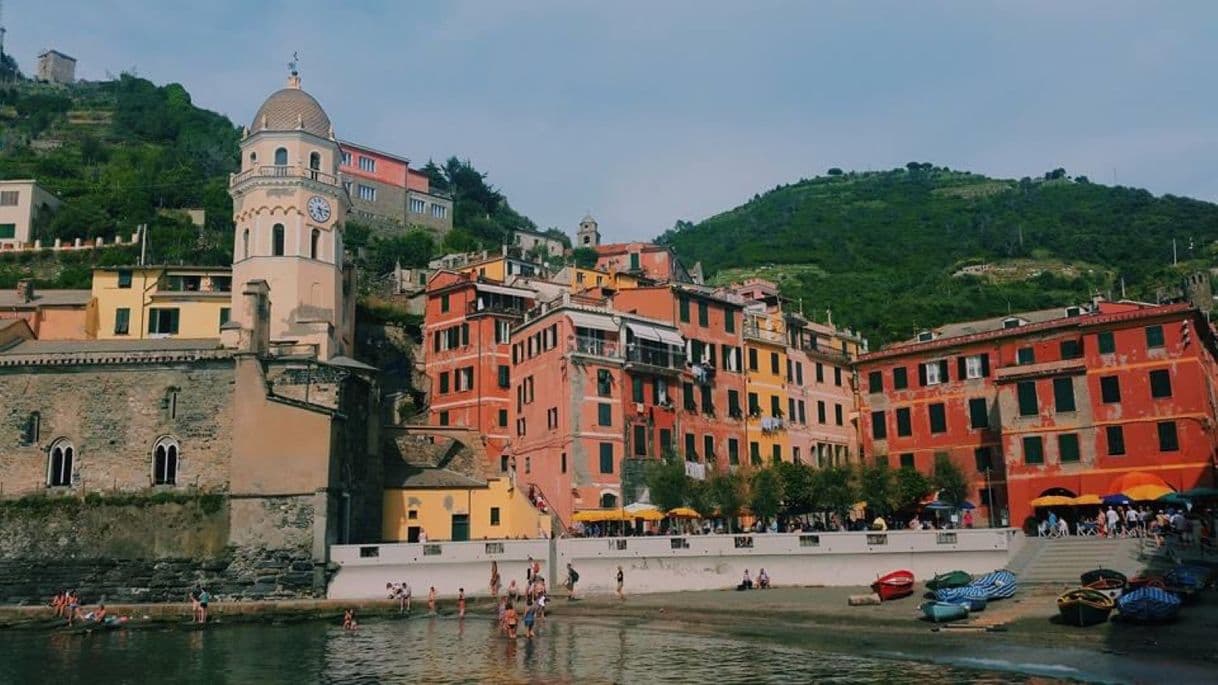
(1174, 260)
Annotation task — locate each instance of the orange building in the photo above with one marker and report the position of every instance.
(51, 314)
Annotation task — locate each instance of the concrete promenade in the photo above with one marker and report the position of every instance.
(669, 563)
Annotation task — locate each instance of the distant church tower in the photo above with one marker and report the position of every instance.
(289, 206)
(589, 235)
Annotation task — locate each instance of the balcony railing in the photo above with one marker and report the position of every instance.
(286, 171)
(764, 335)
(597, 347)
(504, 308)
(664, 358)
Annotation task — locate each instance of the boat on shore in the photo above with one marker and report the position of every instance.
(1110, 587)
(948, 580)
(942, 612)
(1145, 580)
(894, 585)
(1085, 607)
(1103, 573)
(972, 597)
(1148, 605)
(1000, 584)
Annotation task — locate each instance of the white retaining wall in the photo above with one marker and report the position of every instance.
(668, 564)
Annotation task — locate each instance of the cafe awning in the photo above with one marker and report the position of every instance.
(593, 321)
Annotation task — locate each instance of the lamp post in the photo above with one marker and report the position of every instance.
(989, 498)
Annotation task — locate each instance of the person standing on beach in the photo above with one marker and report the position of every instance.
(530, 617)
(621, 580)
(204, 600)
(511, 618)
(461, 602)
(572, 579)
(431, 601)
(495, 580)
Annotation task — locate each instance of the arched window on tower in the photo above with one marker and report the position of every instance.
(165, 461)
(245, 244)
(314, 241)
(314, 164)
(253, 158)
(59, 463)
(281, 156)
(277, 240)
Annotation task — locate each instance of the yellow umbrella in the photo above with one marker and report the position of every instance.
(1052, 501)
(598, 515)
(1087, 500)
(684, 513)
(646, 515)
(1146, 492)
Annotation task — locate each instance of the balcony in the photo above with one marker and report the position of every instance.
(764, 335)
(284, 171)
(655, 360)
(480, 308)
(597, 347)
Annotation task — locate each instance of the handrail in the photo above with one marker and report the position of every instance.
(553, 512)
(286, 171)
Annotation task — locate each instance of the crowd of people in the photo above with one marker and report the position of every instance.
(1122, 521)
(67, 605)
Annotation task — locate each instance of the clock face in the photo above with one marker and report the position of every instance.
(319, 208)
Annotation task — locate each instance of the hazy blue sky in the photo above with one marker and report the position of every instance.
(649, 112)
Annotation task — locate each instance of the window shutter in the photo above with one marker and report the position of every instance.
(961, 371)
(943, 377)
(985, 365)
(922, 374)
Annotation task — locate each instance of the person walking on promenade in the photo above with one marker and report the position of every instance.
(621, 580)
(572, 579)
(495, 580)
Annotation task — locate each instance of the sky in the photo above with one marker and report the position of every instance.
(643, 113)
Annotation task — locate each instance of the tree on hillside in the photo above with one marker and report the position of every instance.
(667, 482)
(584, 257)
(414, 249)
(727, 492)
(559, 235)
(765, 494)
(949, 480)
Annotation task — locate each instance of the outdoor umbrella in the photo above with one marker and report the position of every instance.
(1176, 499)
(1086, 500)
(937, 504)
(1117, 498)
(684, 513)
(1201, 493)
(967, 505)
(1052, 501)
(1144, 493)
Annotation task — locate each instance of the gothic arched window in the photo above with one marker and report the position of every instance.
(245, 243)
(165, 461)
(314, 164)
(277, 240)
(59, 463)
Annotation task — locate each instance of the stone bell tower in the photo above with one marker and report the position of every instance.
(588, 235)
(289, 206)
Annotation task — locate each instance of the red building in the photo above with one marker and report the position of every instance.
(1062, 401)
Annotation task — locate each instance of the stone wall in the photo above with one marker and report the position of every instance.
(113, 415)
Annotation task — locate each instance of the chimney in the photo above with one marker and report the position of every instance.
(257, 338)
(25, 290)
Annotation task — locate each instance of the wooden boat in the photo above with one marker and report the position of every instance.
(999, 584)
(1145, 581)
(1084, 607)
(1185, 576)
(1106, 573)
(948, 580)
(894, 585)
(1110, 587)
(1148, 605)
(941, 612)
(972, 597)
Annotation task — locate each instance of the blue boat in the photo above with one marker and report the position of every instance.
(941, 612)
(1148, 605)
(972, 597)
(999, 584)
(1188, 577)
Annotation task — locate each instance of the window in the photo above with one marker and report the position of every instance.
(1168, 440)
(1063, 394)
(59, 463)
(606, 457)
(799, 373)
(1067, 448)
(314, 240)
(444, 303)
(978, 413)
(438, 211)
(33, 426)
(1025, 355)
(637, 389)
(983, 459)
(729, 321)
(345, 158)
(708, 447)
(8, 231)
(494, 516)
(683, 308)
(124, 278)
(1033, 450)
(1110, 389)
(774, 363)
(708, 402)
(444, 382)
(1026, 391)
(938, 418)
(975, 366)
(367, 163)
(170, 403)
(277, 240)
(122, 320)
(875, 382)
(503, 418)
(165, 462)
(1160, 383)
(907, 461)
(753, 360)
(900, 378)
(640, 441)
(281, 156)
(703, 313)
(803, 411)
(754, 453)
(837, 376)
(245, 243)
(775, 406)
(505, 376)
(776, 453)
(733, 451)
(604, 383)
(563, 462)
(879, 430)
(838, 417)
(733, 403)
(795, 455)
(934, 372)
(417, 206)
(820, 411)
(1116, 440)
(1154, 336)
(604, 414)
(689, 400)
(1105, 342)
(163, 321)
(904, 427)
(364, 192)
(9, 198)
(225, 314)
(1071, 349)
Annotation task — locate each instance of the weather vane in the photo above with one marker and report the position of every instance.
(293, 63)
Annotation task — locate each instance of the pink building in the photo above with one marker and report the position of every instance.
(385, 190)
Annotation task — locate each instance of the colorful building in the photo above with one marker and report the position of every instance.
(384, 189)
(822, 406)
(765, 364)
(24, 205)
(50, 314)
(1059, 401)
(160, 302)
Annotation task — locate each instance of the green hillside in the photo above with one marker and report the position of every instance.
(890, 249)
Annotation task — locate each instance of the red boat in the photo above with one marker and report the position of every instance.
(895, 585)
(1146, 581)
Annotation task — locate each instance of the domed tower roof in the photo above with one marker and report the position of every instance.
(292, 109)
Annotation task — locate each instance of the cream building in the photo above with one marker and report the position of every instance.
(22, 204)
(289, 206)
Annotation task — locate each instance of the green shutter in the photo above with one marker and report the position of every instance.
(1027, 398)
(683, 303)
(604, 414)
(1105, 342)
(978, 413)
(606, 457)
(1067, 447)
(1063, 394)
(1154, 336)
(1033, 450)
(938, 418)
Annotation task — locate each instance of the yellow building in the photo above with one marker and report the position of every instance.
(447, 505)
(500, 268)
(766, 368)
(579, 279)
(159, 302)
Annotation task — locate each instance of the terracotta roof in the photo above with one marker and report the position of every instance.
(291, 109)
(46, 298)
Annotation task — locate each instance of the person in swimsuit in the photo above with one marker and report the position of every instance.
(431, 600)
(73, 606)
(461, 602)
(513, 592)
(511, 619)
(349, 621)
(204, 599)
(572, 579)
(621, 580)
(530, 616)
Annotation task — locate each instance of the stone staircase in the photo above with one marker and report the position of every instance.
(1062, 560)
